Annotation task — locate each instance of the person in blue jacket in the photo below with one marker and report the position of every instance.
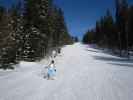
(51, 70)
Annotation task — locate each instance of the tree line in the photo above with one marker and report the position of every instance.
(30, 30)
(114, 32)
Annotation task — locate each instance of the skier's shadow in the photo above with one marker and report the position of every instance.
(45, 75)
(42, 73)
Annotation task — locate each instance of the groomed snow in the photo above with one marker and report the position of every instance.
(83, 73)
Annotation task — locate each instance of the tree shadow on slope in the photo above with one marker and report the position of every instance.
(115, 60)
(122, 64)
(96, 51)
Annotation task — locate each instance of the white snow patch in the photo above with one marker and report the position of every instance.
(82, 74)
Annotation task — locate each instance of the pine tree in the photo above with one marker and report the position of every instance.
(7, 54)
(36, 26)
(115, 33)
(16, 21)
(89, 37)
(64, 36)
(30, 33)
(130, 29)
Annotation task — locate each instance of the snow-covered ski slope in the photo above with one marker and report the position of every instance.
(82, 74)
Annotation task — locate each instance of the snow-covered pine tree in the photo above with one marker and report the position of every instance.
(7, 44)
(36, 26)
(16, 21)
(31, 35)
(48, 21)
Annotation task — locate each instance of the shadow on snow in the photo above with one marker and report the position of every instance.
(115, 60)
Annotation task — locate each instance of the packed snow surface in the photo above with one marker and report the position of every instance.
(83, 73)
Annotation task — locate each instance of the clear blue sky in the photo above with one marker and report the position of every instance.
(80, 15)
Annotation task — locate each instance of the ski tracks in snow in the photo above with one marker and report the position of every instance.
(82, 74)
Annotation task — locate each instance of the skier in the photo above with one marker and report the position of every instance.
(54, 54)
(59, 50)
(51, 70)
